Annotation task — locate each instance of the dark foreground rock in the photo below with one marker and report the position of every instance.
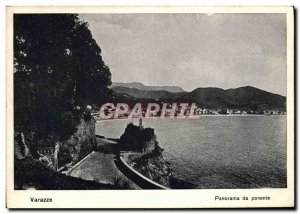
(177, 183)
(30, 174)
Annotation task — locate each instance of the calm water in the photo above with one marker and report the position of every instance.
(220, 151)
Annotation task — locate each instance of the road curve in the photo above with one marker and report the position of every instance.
(100, 166)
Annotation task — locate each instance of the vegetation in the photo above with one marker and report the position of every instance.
(58, 71)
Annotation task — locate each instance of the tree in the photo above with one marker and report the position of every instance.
(57, 66)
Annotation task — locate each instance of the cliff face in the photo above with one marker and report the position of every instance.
(76, 147)
(31, 174)
(80, 144)
(154, 167)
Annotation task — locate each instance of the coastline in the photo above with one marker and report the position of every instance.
(203, 115)
(209, 117)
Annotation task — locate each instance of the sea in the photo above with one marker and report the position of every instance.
(219, 152)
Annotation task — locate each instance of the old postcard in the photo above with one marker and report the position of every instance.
(150, 107)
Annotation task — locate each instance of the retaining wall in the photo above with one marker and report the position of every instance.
(137, 177)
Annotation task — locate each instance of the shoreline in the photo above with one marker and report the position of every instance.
(254, 118)
(187, 117)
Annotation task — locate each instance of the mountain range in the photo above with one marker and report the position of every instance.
(243, 98)
(140, 86)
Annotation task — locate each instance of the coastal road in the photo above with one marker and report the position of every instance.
(100, 166)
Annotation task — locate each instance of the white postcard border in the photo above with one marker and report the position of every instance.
(202, 198)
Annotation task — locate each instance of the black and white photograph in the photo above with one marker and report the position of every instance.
(144, 101)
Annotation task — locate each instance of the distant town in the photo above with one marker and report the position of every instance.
(122, 110)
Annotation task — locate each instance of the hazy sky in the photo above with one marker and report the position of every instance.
(194, 50)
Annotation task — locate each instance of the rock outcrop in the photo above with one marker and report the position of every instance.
(80, 144)
(139, 139)
(144, 154)
(154, 167)
(71, 150)
(30, 173)
(141, 150)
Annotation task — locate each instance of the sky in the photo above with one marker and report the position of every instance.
(194, 50)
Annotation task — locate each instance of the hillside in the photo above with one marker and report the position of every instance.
(140, 86)
(243, 98)
(155, 95)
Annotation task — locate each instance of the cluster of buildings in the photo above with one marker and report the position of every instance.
(174, 109)
(237, 111)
